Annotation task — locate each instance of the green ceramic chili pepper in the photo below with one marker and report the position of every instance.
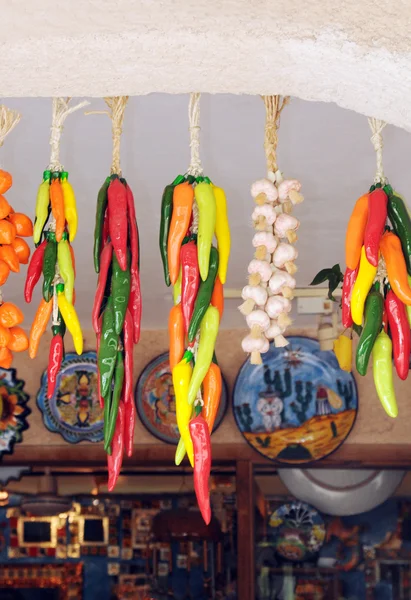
(166, 214)
(120, 292)
(98, 228)
(205, 291)
(49, 265)
(373, 312)
(110, 426)
(206, 203)
(401, 223)
(382, 371)
(208, 336)
(107, 353)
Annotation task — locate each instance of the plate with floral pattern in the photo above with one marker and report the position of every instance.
(74, 410)
(13, 410)
(155, 402)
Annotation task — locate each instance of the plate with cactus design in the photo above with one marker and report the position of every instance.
(298, 406)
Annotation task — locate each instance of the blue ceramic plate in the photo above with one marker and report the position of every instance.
(155, 402)
(13, 410)
(298, 406)
(297, 531)
(74, 410)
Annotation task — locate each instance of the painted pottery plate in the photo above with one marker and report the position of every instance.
(342, 492)
(74, 411)
(297, 531)
(13, 410)
(298, 406)
(155, 401)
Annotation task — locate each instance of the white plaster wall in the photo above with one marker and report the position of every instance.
(354, 53)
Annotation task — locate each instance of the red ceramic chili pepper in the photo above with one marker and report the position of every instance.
(133, 227)
(34, 270)
(190, 280)
(118, 221)
(130, 421)
(115, 459)
(98, 335)
(400, 333)
(377, 217)
(200, 436)
(350, 276)
(54, 364)
(105, 262)
(134, 303)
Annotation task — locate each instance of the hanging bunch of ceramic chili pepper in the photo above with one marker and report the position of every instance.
(267, 297)
(117, 303)
(54, 231)
(193, 210)
(376, 288)
(14, 251)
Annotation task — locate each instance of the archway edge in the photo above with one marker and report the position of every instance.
(355, 54)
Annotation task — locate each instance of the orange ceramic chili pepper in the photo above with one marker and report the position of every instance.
(182, 206)
(176, 334)
(6, 358)
(354, 237)
(212, 386)
(39, 326)
(57, 207)
(391, 250)
(9, 255)
(217, 298)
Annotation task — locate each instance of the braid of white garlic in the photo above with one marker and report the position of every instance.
(267, 297)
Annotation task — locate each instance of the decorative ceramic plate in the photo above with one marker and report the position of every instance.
(297, 531)
(298, 406)
(13, 410)
(74, 410)
(155, 402)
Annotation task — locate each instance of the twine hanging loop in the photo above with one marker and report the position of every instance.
(195, 167)
(273, 108)
(377, 126)
(8, 120)
(61, 110)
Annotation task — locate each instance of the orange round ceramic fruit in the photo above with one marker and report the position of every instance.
(6, 181)
(22, 249)
(10, 315)
(19, 342)
(22, 223)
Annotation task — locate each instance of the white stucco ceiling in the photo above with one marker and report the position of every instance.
(355, 53)
(326, 147)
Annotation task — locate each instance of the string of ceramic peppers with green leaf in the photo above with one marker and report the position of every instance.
(54, 231)
(116, 313)
(193, 210)
(376, 285)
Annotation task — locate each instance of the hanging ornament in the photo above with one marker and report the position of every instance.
(193, 210)
(54, 231)
(14, 251)
(117, 303)
(267, 297)
(376, 286)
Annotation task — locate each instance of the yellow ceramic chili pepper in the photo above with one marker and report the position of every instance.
(68, 312)
(222, 232)
(181, 379)
(42, 207)
(343, 352)
(382, 372)
(206, 203)
(66, 268)
(70, 206)
(177, 289)
(362, 286)
(408, 308)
